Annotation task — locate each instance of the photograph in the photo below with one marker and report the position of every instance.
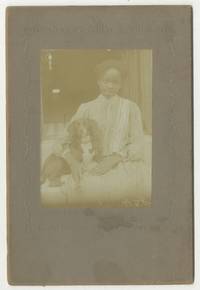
(100, 153)
(96, 127)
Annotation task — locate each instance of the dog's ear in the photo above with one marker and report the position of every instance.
(74, 132)
(73, 128)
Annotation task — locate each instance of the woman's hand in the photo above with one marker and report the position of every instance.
(106, 164)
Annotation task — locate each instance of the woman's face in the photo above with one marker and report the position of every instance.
(110, 82)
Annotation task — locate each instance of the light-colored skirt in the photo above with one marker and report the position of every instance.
(128, 184)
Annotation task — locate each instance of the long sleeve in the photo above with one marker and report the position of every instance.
(134, 148)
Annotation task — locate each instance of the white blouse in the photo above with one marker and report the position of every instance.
(120, 122)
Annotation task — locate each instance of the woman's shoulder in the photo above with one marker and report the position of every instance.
(133, 105)
(88, 104)
(84, 106)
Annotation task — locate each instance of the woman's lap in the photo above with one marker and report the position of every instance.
(128, 180)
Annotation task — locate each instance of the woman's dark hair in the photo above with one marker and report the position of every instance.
(108, 64)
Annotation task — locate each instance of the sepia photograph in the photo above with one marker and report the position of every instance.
(99, 145)
(96, 127)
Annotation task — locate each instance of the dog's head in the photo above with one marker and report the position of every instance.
(80, 128)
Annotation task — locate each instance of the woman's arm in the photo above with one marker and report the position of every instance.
(134, 150)
(106, 164)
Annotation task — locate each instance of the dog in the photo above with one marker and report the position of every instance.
(82, 144)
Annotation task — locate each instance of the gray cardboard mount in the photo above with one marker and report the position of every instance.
(104, 245)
